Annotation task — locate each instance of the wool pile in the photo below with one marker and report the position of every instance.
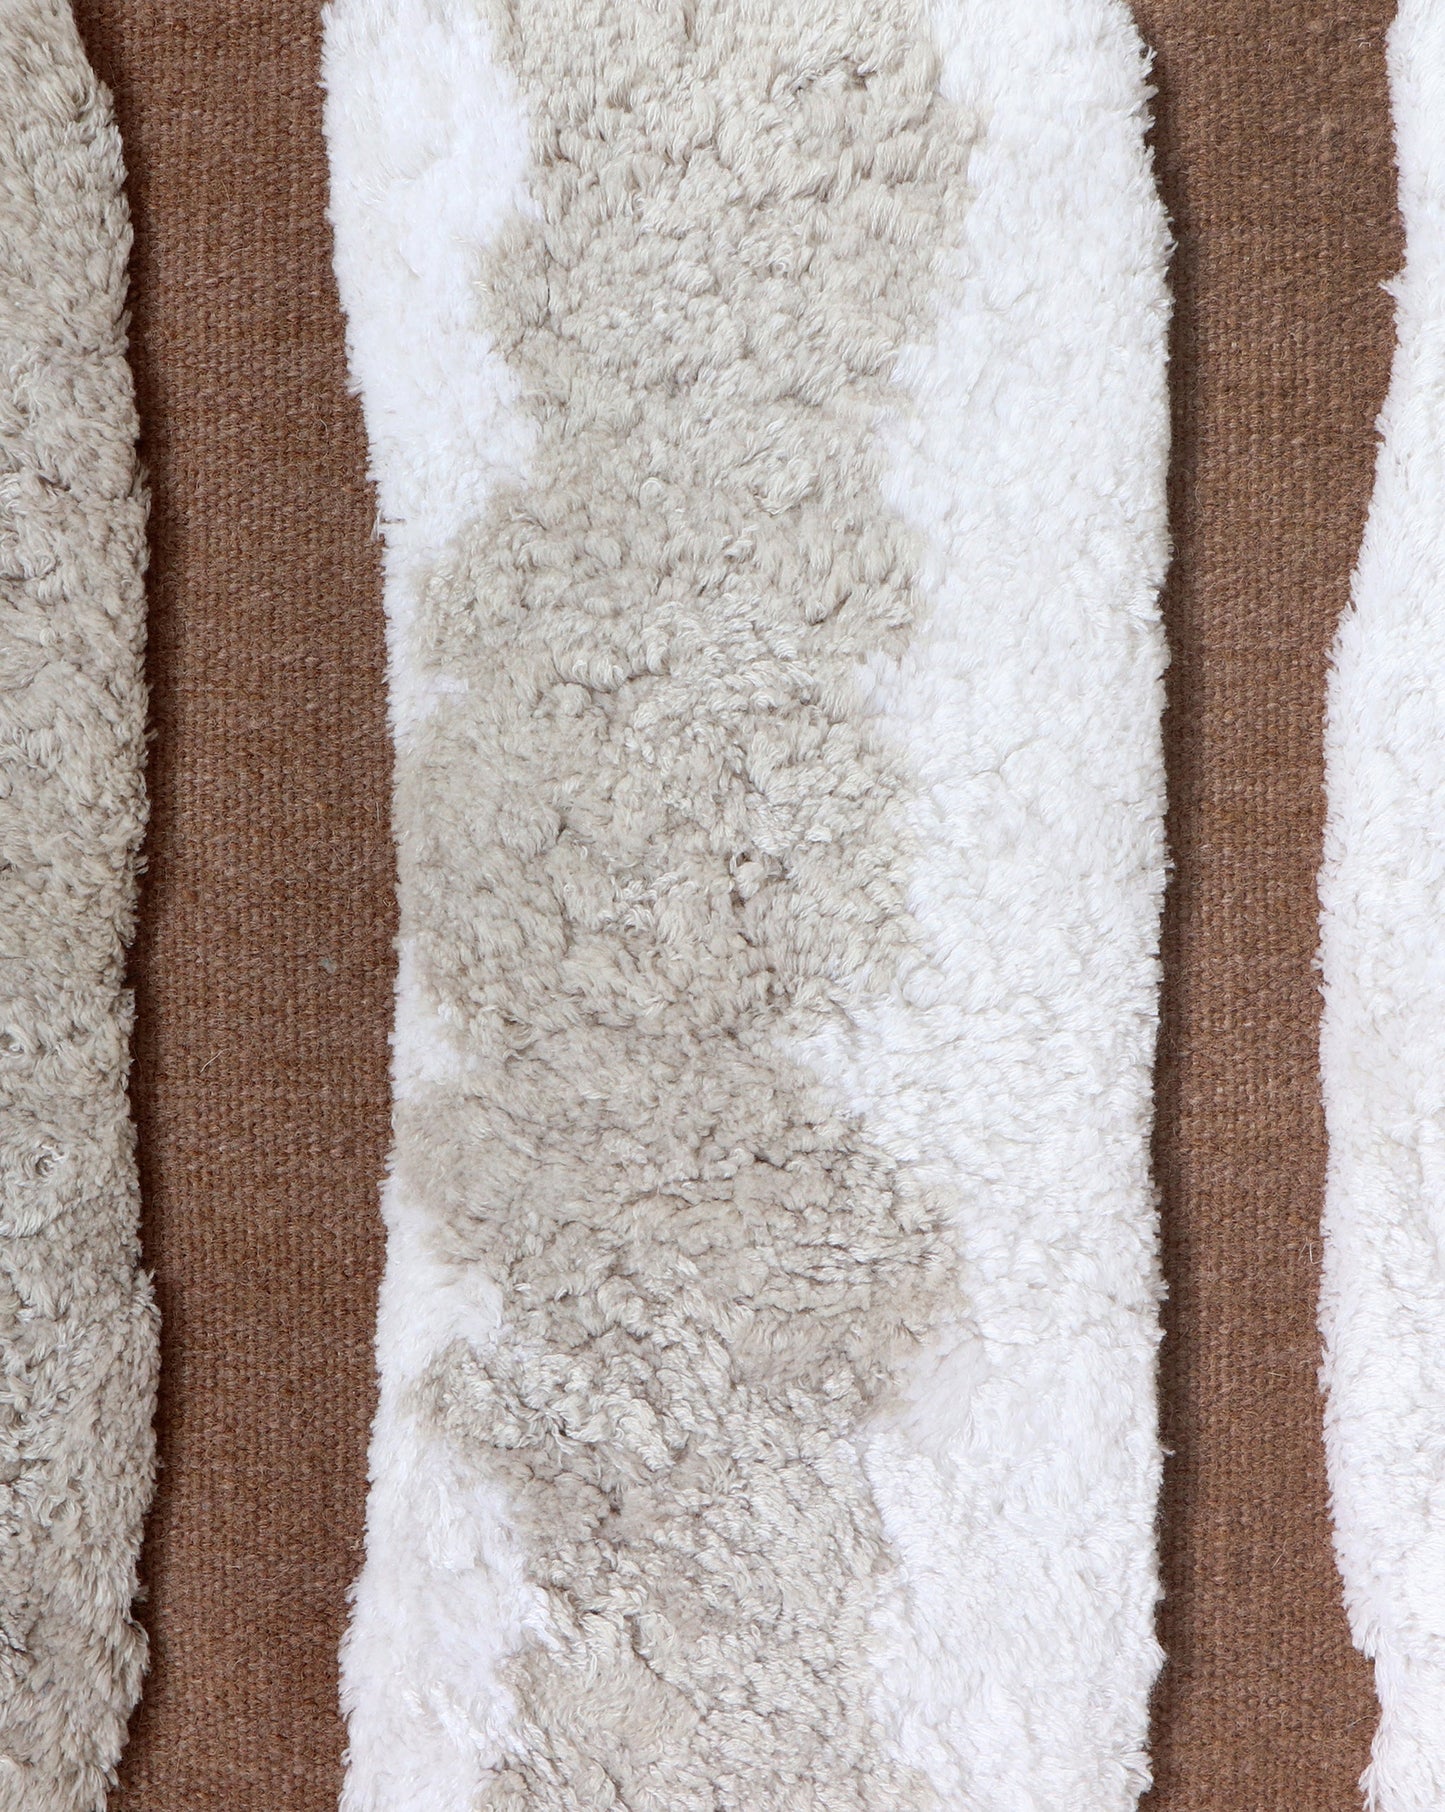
(1383, 1037)
(77, 1325)
(767, 415)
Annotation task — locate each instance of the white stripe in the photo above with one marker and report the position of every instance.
(1383, 1041)
(428, 148)
(1015, 1064)
(1019, 1490)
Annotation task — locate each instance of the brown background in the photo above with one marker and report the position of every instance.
(264, 965)
(1275, 158)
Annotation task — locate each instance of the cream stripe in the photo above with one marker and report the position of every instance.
(1013, 1067)
(1383, 1040)
(428, 150)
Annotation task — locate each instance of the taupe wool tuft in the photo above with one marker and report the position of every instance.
(77, 1325)
(649, 844)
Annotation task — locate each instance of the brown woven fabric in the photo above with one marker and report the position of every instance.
(1275, 157)
(264, 968)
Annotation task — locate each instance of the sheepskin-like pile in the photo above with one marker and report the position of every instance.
(652, 834)
(77, 1325)
(1383, 1038)
(774, 522)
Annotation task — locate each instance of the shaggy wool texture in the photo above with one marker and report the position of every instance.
(1383, 1040)
(77, 1326)
(767, 415)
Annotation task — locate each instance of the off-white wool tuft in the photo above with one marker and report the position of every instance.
(77, 1326)
(1383, 1043)
(766, 408)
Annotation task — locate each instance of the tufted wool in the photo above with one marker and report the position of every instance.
(1012, 1067)
(1383, 1038)
(774, 521)
(77, 1326)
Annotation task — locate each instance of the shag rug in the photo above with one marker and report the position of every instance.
(766, 403)
(77, 1326)
(1383, 1041)
(767, 414)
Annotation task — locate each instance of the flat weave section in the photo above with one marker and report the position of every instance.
(261, 1085)
(264, 966)
(1276, 163)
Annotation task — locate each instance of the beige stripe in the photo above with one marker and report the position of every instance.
(77, 1326)
(644, 838)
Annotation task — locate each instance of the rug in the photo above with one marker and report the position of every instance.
(264, 963)
(767, 412)
(260, 1071)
